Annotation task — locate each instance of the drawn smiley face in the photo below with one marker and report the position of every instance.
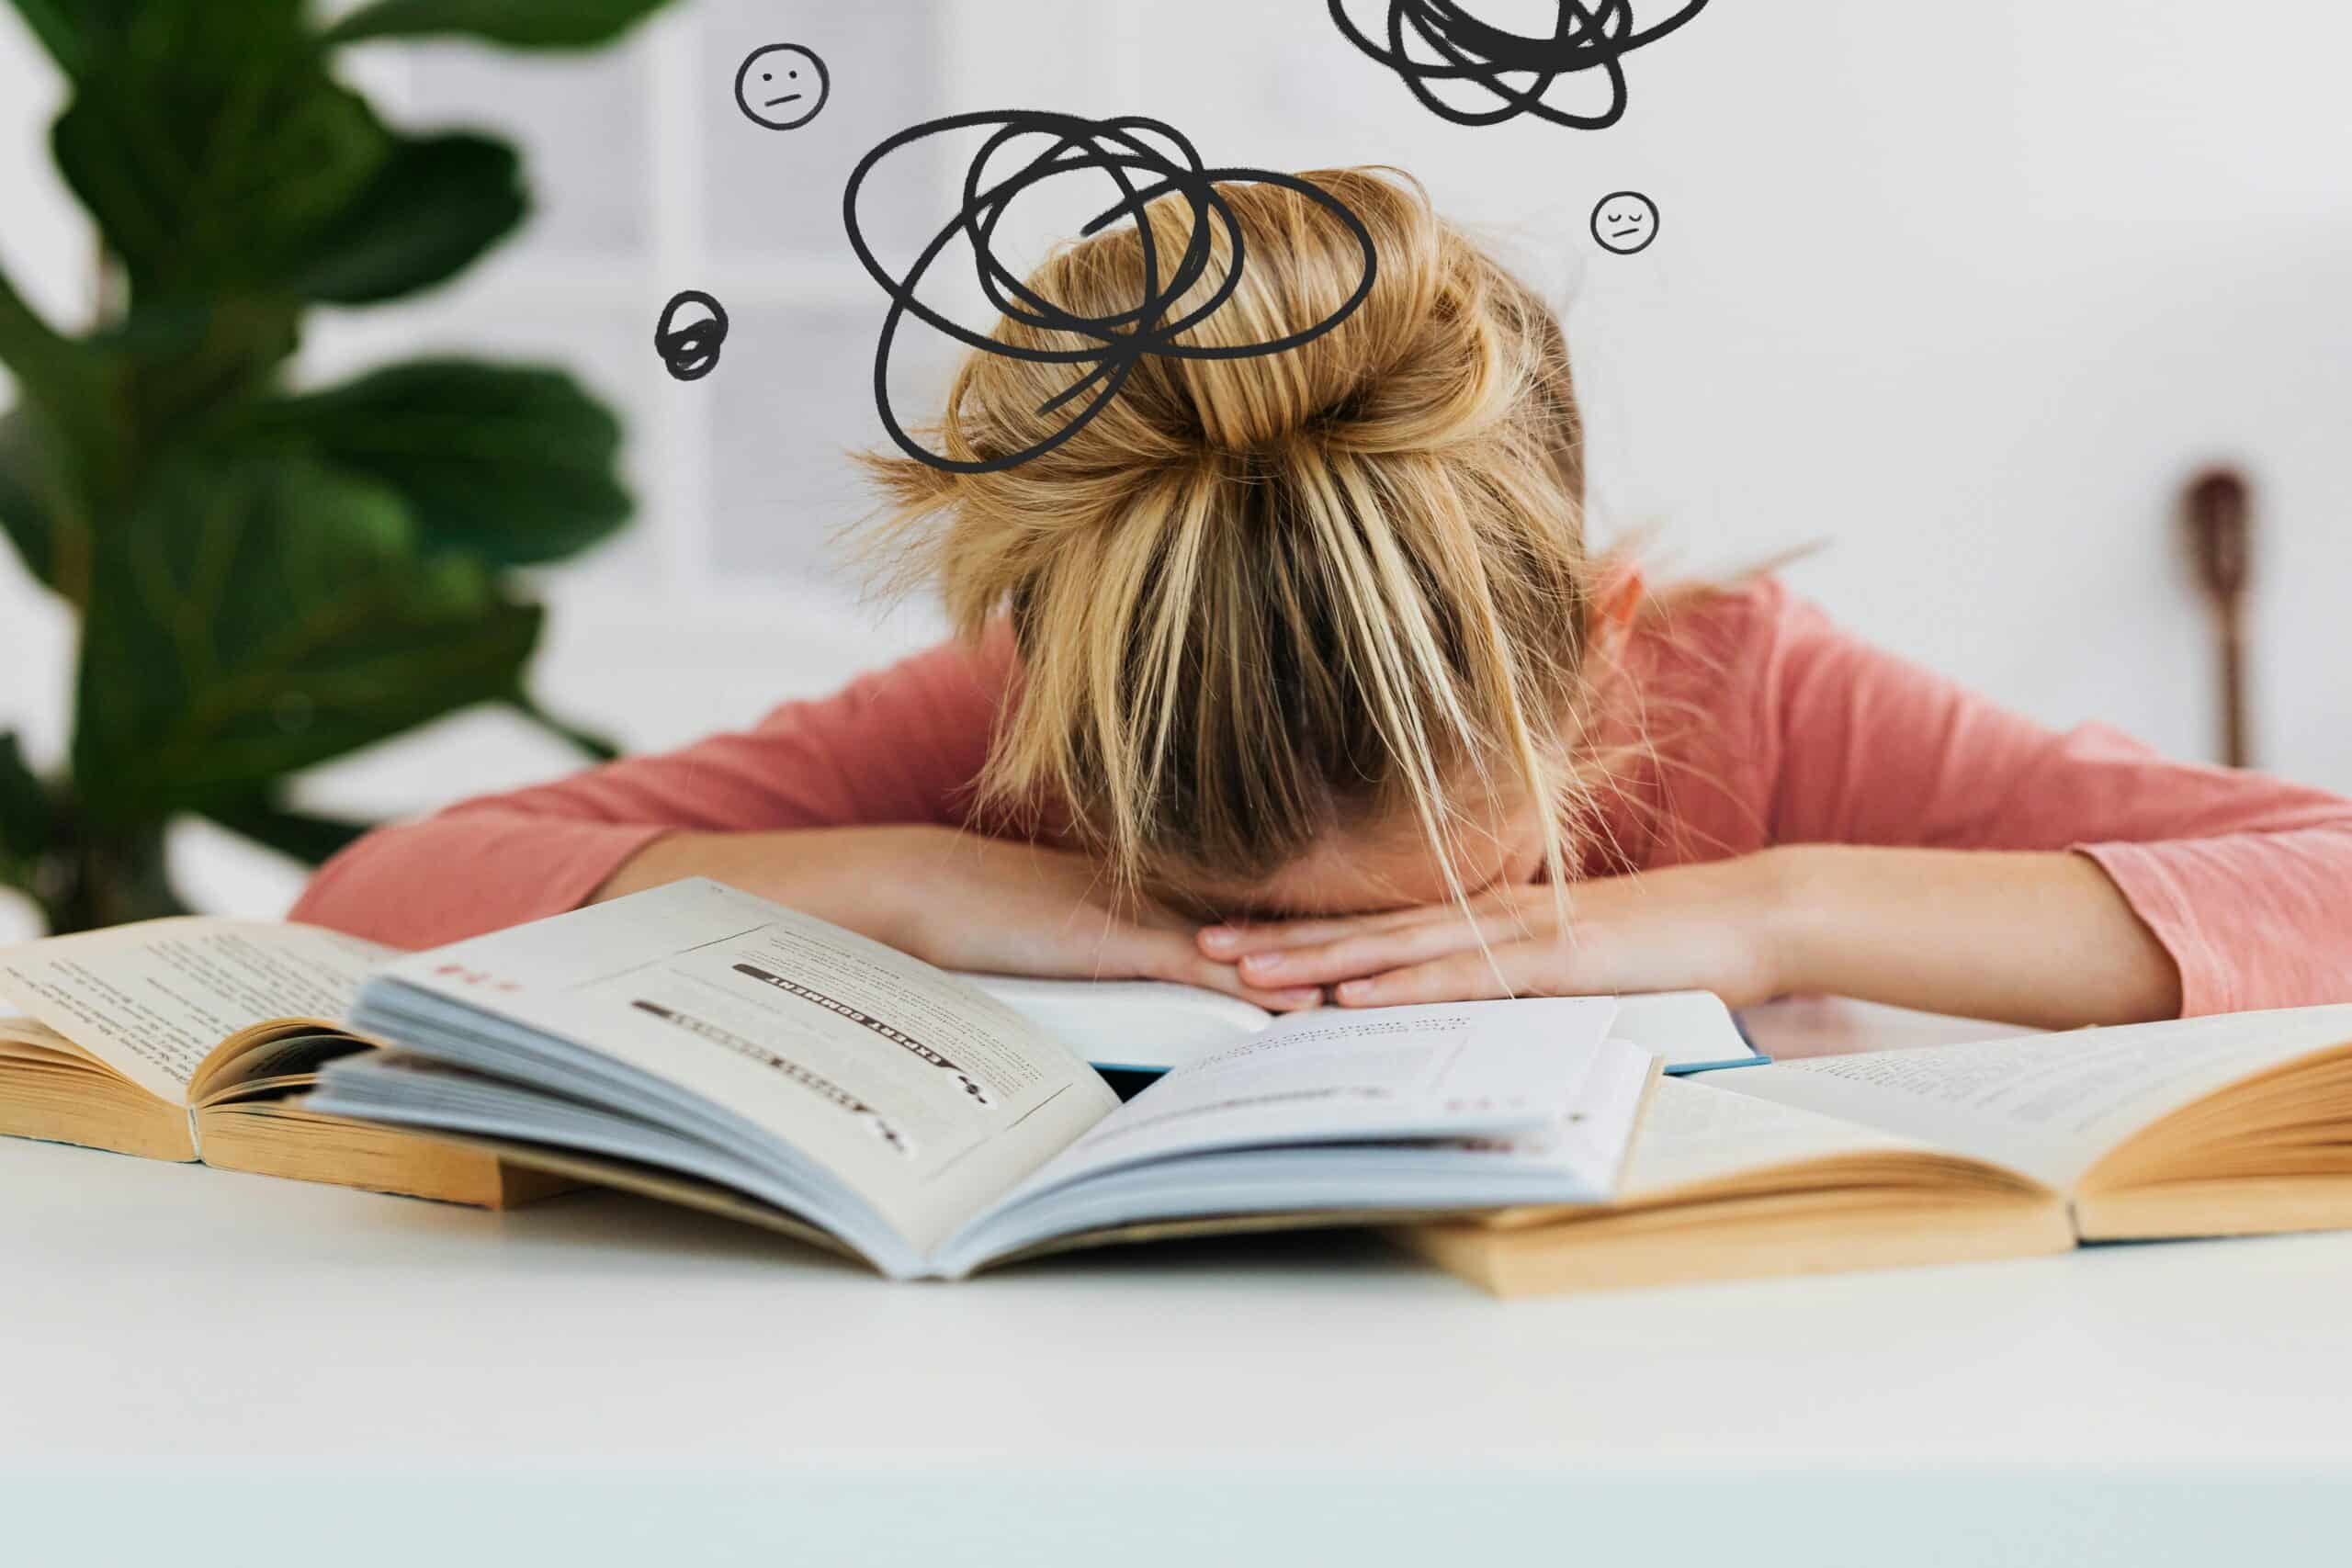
(1624, 221)
(782, 86)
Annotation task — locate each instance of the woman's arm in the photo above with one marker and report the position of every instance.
(958, 899)
(2244, 880)
(900, 746)
(2032, 938)
(2029, 938)
(1883, 833)
(853, 809)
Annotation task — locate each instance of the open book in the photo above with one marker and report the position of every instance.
(706, 1046)
(184, 1039)
(2228, 1125)
(1144, 1027)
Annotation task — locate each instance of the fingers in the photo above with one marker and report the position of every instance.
(1515, 970)
(1235, 940)
(1376, 952)
(1173, 956)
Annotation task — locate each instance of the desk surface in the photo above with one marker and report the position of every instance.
(216, 1332)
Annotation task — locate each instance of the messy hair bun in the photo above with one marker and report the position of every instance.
(1258, 598)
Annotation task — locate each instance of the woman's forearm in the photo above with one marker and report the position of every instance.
(2032, 938)
(840, 874)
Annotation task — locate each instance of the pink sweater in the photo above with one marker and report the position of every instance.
(1769, 726)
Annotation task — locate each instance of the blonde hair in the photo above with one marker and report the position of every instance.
(1259, 599)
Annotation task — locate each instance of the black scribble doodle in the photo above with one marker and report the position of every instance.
(815, 1082)
(1624, 221)
(1147, 160)
(897, 1037)
(782, 86)
(1429, 41)
(690, 350)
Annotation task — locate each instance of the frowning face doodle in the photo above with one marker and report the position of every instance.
(782, 86)
(1624, 221)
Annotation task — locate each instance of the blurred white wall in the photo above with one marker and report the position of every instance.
(1967, 295)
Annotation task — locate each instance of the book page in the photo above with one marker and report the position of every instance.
(1694, 1132)
(1451, 1070)
(1152, 1025)
(1597, 1136)
(1684, 1029)
(2048, 1105)
(925, 1095)
(23, 1039)
(151, 1000)
(1127, 1025)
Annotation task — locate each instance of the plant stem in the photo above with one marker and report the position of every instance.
(53, 373)
(29, 345)
(96, 878)
(601, 748)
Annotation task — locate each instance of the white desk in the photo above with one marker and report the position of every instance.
(201, 1367)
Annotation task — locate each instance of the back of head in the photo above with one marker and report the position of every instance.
(1258, 599)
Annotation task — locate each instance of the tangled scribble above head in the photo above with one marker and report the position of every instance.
(1510, 74)
(1176, 289)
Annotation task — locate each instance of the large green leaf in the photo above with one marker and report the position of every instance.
(527, 24)
(69, 29)
(206, 187)
(510, 464)
(253, 617)
(433, 207)
(275, 179)
(59, 25)
(74, 30)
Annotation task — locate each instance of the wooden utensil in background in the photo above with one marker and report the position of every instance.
(2221, 534)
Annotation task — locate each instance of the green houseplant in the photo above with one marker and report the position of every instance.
(265, 579)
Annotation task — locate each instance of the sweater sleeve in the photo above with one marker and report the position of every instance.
(901, 745)
(2245, 879)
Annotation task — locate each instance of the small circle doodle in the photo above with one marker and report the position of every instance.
(1427, 42)
(689, 349)
(1121, 149)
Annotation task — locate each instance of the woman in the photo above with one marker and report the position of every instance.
(1293, 675)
